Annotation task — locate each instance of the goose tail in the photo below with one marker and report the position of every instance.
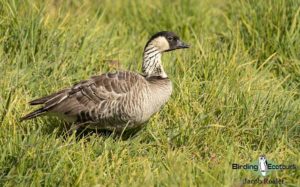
(33, 114)
(49, 102)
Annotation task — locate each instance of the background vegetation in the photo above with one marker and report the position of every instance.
(236, 90)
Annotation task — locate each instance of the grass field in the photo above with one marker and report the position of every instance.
(236, 91)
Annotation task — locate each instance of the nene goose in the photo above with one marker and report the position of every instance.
(116, 101)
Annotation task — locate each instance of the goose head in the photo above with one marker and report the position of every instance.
(165, 41)
(159, 43)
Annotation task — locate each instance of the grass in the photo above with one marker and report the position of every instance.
(236, 91)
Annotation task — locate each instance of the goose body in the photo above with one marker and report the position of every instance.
(119, 100)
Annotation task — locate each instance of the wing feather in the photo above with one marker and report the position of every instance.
(95, 99)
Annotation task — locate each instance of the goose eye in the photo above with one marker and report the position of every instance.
(170, 38)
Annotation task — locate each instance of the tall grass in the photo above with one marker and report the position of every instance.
(236, 90)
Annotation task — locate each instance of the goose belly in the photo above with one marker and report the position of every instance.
(134, 110)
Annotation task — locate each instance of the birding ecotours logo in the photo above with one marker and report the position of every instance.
(262, 166)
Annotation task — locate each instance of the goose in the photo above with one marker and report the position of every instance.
(116, 101)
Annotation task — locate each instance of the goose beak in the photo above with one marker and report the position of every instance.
(182, 45)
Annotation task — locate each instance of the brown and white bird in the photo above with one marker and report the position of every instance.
(116, 101)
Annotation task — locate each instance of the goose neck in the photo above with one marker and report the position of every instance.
(152, 62)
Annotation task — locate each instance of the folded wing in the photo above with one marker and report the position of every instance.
(99, 99)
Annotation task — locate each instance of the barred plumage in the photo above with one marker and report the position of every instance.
(117, 100)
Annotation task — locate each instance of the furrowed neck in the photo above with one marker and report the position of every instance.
(152, 62)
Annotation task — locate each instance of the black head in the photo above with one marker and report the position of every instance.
(166, 41)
